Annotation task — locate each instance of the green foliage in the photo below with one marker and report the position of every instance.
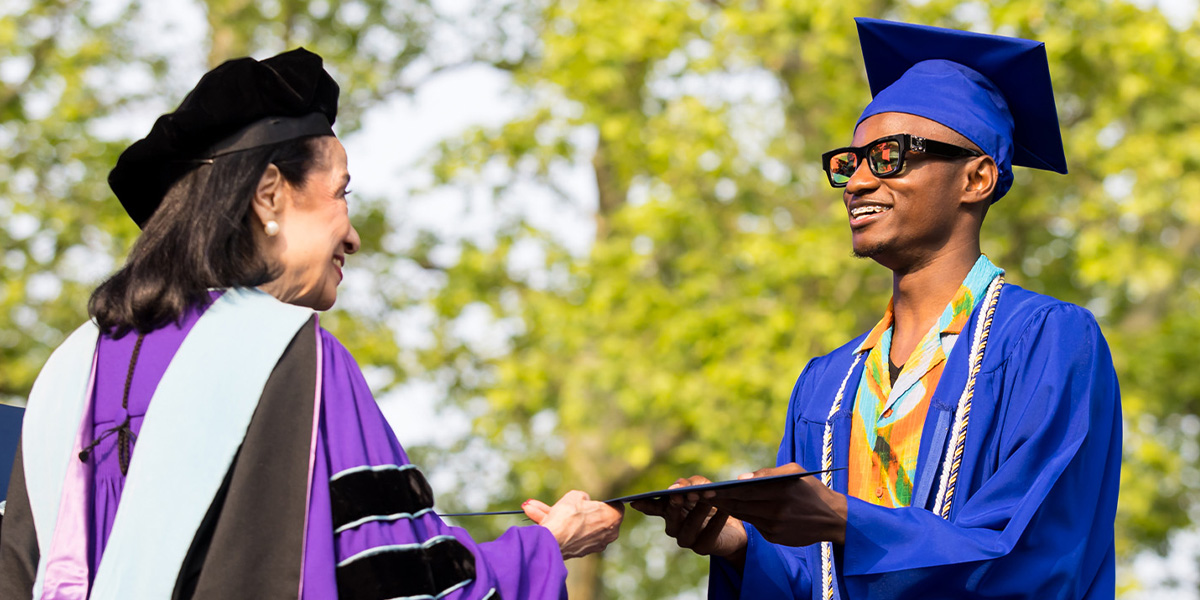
(721, 265)
(58, 216)
(63, 230)
(369, 45)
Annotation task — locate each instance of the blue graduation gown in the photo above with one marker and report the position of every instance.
(1037, 491)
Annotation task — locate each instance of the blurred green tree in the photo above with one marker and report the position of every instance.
(720, 262)
(717, 263)
(72, 67)
(57, 217)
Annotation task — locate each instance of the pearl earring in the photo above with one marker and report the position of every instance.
(271, 228)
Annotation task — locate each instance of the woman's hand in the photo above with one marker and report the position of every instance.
(581, 525)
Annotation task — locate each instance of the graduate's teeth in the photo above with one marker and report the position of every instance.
(866, 210)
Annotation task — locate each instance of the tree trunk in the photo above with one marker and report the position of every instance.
(610, 192)
(584, 577)
(228, 39)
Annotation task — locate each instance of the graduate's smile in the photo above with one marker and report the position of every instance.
(864, 212)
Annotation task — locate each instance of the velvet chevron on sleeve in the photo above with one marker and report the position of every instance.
(373, 533)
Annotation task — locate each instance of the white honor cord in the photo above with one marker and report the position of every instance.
(962, 412)
(827, 479)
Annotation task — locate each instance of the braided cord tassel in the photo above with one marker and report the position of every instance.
(827, 479)
(962, 417)
(125, 435)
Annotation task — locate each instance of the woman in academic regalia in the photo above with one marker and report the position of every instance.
(202, 436)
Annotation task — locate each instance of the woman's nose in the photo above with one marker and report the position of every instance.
(352, 241)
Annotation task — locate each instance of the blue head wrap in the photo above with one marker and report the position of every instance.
(993, 90)
(959, 98)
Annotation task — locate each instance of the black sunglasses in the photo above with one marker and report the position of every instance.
(884, 156)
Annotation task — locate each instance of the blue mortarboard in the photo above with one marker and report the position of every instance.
(994, 90)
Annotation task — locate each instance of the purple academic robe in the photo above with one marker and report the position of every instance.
(1041, 468)
(370, 530)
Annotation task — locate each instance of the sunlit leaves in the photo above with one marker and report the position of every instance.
(721, 265)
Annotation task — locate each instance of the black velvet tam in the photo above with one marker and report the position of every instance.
(227, 99)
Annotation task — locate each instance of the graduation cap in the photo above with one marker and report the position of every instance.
(241, 104)
(994, 90)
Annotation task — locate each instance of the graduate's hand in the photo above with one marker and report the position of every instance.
(697, 525)
(792, 513)
(581, 525)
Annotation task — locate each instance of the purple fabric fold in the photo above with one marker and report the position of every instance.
(524, 563)
(349, 431)
(312, 462)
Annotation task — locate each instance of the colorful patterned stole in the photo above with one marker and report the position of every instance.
(888, 420)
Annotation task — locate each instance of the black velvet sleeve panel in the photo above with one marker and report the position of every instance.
(378, 492)
(429, 569)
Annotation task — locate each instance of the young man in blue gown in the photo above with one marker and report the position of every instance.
(975, 432)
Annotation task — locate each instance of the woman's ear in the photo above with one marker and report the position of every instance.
(268, 195)
(982, 175)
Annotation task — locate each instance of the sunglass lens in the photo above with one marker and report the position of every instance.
(841, 167)
(884, 157)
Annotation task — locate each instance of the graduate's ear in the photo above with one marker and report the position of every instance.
(981, 177)
(269, 195)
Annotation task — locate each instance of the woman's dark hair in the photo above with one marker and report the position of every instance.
(201, 237)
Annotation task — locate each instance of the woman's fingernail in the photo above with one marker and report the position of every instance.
(526, 502)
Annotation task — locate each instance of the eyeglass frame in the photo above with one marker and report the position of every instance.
(907, 142)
